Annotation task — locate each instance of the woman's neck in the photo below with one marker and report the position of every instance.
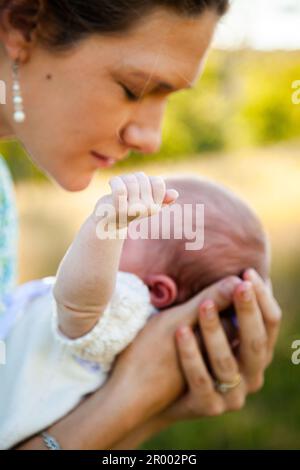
(5, 129)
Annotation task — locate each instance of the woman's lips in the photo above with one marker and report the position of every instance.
(103, 161)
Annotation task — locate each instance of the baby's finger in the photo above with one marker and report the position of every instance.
(119, 194)
(145, 187)
(146, 193)
(158, 189)
(133, 190)
(170, 197)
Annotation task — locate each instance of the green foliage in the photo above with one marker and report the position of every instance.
(20, 166)
(266, 107)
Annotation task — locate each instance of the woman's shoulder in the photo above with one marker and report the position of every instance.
(5, 177)
(8, 231)
(7, 196)
(6, 185)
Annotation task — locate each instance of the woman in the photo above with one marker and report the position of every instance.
(87, 83)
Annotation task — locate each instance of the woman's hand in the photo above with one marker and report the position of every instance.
(151, 364)
(259, 319)
(149, 374)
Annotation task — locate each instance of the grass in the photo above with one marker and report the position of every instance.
(269, 180)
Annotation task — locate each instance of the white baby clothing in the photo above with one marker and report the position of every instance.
(47, 374)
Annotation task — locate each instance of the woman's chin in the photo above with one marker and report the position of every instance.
(75, 184)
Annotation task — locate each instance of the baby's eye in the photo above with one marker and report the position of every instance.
(129, 94)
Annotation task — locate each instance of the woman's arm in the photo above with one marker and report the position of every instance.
(260, 318)
(97, 423)
(143, 433)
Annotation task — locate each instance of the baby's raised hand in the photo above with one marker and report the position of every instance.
(134, 196)
(86, 292)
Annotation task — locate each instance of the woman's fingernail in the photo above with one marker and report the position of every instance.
(246, 292)
(249, 274)
(183, 332)
(174, 194)
(208, 310)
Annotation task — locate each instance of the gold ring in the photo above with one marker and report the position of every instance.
(225, 387)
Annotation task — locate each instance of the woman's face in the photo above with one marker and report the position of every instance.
(76, 102)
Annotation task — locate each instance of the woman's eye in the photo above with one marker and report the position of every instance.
(130, 95)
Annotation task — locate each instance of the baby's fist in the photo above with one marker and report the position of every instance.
(136, 196)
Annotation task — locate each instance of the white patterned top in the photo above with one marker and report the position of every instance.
(8, 234)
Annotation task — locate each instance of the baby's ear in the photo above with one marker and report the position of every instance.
(163, 290)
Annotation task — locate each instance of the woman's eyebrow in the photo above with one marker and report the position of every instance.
(150, 77)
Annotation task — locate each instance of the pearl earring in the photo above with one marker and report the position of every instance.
(19, 115)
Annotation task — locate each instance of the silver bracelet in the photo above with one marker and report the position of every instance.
(50, 442)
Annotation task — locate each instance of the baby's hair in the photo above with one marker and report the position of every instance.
(234, 238)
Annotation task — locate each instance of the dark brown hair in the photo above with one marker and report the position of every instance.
(61, 23)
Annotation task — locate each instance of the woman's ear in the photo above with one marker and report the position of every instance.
(14, 41)
(163, 290)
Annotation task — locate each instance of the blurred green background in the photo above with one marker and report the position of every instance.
(238, 127)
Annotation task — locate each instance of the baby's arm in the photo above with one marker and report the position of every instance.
(87, 274)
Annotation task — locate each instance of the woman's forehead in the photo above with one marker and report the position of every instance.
(166, 48)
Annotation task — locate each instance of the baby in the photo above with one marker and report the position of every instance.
(68, 332)
(234, 240)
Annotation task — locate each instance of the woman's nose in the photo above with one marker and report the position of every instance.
(142, 139)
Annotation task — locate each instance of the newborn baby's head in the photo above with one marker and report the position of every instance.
(234, 240)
